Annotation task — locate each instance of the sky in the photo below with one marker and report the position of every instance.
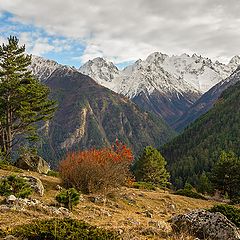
(74, 31)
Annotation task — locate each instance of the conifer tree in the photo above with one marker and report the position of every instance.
(150, 167)
(226, 174)
(23, 99)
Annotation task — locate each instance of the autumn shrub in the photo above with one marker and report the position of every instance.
(97, 170)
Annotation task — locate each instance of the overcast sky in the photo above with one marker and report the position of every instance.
(74, 31)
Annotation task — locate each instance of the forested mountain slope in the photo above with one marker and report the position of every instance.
(206, 101)
(199, 146)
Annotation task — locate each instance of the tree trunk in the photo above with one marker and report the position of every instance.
(9, 137)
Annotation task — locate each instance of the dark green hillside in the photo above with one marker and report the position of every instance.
(90, 115)
(199, 146)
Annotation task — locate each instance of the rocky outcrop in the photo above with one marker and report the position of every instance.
(33, 163)
(206, 225)
(35, 183)
(24, 205)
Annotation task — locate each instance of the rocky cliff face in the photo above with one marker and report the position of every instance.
(89, 115)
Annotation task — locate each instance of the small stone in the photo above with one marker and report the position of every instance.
(149, 213)
(172, 207)
(11, 199)
(120, 231)
(59, 188)
(64, 211)
(98, 199)
(10, 237)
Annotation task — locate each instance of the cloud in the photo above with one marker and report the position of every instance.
(127, 30)
(37, 44)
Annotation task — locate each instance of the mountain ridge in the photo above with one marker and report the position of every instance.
(94, 116)
(161, 80)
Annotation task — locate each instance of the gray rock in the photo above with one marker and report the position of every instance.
(206, 225)
(33, 163)
(4, 208)
(10, 237)
(59, 188)
(11, 199)
(35, 183)
(98, 199)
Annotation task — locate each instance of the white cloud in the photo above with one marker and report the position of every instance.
(127, 30)
(36, 44)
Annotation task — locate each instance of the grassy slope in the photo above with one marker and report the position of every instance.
(117, 213)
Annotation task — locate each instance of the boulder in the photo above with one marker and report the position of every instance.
(205, 225)
(35, 183)
(33, 163)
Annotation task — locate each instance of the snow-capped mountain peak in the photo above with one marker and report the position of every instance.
(42, 68)
(235, 61)
(101, 70)
(194, 72)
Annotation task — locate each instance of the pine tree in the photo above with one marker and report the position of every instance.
(226, 174)
(150, 167)
(23, 99)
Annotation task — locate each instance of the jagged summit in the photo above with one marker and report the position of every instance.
(42, 68)
(101, 70)
(160, 80)
(200, 72)
(234, 61)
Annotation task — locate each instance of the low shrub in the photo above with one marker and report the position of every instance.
(235, 200)
(2, 233)
(17, 186)
(58, 229)
(97, 170)
(231, 212)
(189, 193)
(69, 198)
(144, 185)
(6, 165)
(52, 173)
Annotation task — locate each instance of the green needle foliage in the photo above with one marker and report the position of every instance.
(23, 99)
(17, 186)
(150, 167)
(226, 174)
(58, 229)
(69, 198)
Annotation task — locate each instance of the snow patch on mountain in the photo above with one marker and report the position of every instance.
(102, 71)
(42, 68)
(161, 72)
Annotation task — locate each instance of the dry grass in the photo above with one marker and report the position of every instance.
(125, 211)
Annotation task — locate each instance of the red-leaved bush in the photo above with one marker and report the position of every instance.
(97, 170)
